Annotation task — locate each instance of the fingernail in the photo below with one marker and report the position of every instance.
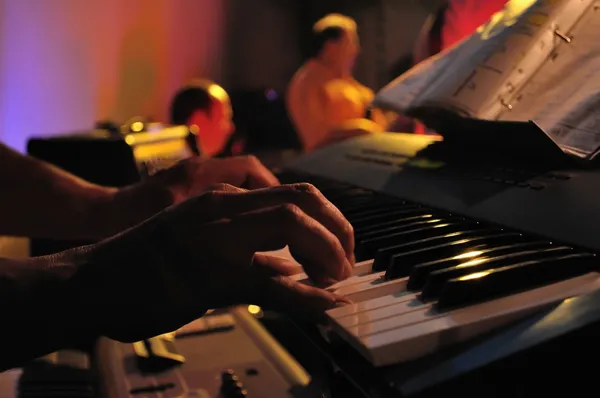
(340, 302)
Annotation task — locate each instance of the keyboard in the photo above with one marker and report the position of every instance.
(447, 252)
(224, 354)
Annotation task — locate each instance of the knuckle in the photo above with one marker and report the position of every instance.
(212, 199)
(305, 187)
(221, 187)
(252, 160)
(348, 230)
(290, 212)
(306, 191)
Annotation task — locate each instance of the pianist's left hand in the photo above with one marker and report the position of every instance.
(186, 179)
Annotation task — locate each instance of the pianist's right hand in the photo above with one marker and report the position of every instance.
(168, 271)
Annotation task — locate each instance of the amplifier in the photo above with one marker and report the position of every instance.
(106, 158)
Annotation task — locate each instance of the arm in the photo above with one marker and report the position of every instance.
(40, 200)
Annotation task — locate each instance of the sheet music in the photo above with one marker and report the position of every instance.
(479, 78)
(563, 98)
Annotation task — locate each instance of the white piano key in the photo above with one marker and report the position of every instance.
(379, 302)
(372, 286)
(362, 268)
(413, 316)
(347, 284)
(401, 305)
(416, 340)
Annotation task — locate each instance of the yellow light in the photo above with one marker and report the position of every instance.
(506, 17)
(475, 275)
(472, 262)
(218, 92)
(254, 309)
(137, 126)
(472, 253)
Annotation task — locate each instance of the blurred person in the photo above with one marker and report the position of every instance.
(326, 103)
(205, 107)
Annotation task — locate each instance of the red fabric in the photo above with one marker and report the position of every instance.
(461, 19)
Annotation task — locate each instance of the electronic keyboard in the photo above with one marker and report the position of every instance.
(453, 246)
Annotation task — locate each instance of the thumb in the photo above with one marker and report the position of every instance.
(283, 294)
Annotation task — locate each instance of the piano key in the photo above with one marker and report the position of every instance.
(403, 304)
(403, 224)
(383, 257)
(389, 224)
(404, 314)
(367, 247)
(420, 272)
(491, 284)
(336, 195)
(385, 215)
(371, 286)
(418, 339)
(372, 209)
(372, 245)
(367, 305)
(437, 279)
(401, 264)
(363, 203)
(362, 268)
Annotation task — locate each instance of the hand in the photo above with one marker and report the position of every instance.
(200, 255)
(193, 176)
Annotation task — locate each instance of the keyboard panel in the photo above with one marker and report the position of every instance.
(429, 278)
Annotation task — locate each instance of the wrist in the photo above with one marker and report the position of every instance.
(131, 205)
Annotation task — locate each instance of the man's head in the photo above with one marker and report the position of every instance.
(205, 107)
(335, 37)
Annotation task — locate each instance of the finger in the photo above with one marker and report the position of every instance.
(276, 265)
(258, 176)
(234, 201)
(225, 188)
(323, 257)
(282, 294)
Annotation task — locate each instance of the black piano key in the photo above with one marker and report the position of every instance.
(392, 227)
(401, 263)
(372, 245)
(366, 245)
(488, 285)
(363, 203)
(383, 257)
(361, 222)
(419, 274)
(379, 228)
(341, 195)
(437, 279)
(371, 213)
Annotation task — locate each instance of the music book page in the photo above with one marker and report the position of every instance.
(563, 97)
(504, 67)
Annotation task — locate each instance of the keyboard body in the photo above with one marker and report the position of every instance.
(225, 354)
(539, 199)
